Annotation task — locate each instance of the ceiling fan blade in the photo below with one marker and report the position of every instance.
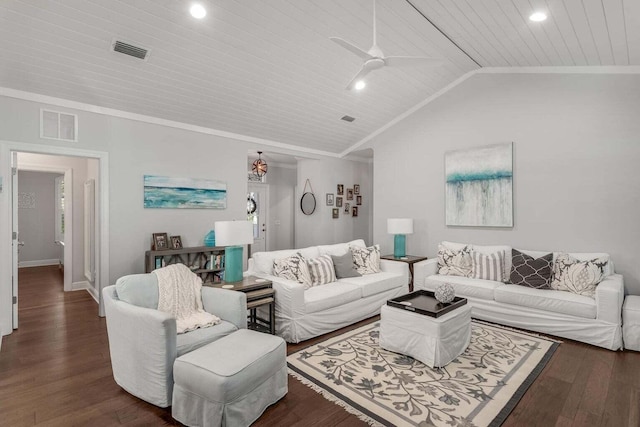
(351, 48)
(405, 61)
(363, 72)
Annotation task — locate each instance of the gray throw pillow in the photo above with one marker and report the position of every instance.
(344, 266)
(529, 271)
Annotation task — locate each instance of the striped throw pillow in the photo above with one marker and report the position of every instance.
(488, 267)
(322, 270)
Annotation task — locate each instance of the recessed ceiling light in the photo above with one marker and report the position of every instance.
(198, 11)
(538, 17)
(360, 84)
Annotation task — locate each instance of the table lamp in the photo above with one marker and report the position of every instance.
(232, 235)
(400, 227)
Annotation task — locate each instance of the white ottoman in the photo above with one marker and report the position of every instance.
(631, 322)
(231, 381)
(435, 341)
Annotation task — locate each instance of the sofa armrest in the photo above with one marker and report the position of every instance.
(289, 296)
(609, 299)
(398, 267)
(142, 344)
(422, 270)
(226, 304)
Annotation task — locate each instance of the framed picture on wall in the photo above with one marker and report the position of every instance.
(354, 211)
(349, 193)
(335, 212)
(329, 199)
(347, 208)
(340, 189)
(356, 189)
(339, 202)
(358, 200)
(160, 241)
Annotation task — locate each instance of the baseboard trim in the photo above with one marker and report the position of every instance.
(39, 263)
(85, 286)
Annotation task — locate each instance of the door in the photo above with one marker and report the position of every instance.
(257, 208)
(15, 243)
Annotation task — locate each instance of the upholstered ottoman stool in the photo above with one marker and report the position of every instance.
(231, 381)
(433, 341)
(631, 322)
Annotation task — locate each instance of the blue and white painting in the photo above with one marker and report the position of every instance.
(479, 188)
(184, 193)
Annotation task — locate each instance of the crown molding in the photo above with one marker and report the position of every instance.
(630, 69)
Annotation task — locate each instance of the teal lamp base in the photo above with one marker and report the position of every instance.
(399, 245)
(233, 263)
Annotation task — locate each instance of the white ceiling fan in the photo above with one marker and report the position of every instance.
(374, 58)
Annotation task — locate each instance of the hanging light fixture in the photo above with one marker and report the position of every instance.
(259, 166)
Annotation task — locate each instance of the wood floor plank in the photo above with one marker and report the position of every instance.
(55, 370)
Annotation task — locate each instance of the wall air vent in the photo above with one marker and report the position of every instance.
(347, 118)
(129, 49)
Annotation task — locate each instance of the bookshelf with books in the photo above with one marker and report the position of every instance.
(205, 261)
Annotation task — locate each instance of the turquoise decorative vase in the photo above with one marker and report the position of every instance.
(210, 239)
(399, 245)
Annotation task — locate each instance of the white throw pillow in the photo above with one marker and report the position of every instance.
(454, 262)
(578, 277)
(293, 268)
(488, 267)
(322, 270)
(366, 260)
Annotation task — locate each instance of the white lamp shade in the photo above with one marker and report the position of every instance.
(399, 226)
(233, 233)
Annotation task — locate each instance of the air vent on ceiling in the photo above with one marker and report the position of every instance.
(129, 49)
(347, 118)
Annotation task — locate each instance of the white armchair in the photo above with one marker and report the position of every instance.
(143, 342)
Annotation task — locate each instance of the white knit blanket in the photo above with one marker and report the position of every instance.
(180, 295)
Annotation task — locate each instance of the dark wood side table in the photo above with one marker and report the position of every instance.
(259, 293)
(409, 259)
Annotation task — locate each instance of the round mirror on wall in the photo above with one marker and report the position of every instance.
(308, 203)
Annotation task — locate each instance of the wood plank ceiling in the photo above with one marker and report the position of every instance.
(267, 69)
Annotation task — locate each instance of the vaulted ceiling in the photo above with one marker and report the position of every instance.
(267, 69)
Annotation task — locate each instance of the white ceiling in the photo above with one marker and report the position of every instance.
(267, 69)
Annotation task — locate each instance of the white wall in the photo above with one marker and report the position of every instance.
(135, 149)
(576, 155)
(320, 228)
(37, 225)
(282, 182)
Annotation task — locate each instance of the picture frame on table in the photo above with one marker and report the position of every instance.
(176, 242)
(329, 199)
(340, 189)
(338, 202)
(356, 189)
(349, 193)
(160, 241)
(335, 212)
(358, 200)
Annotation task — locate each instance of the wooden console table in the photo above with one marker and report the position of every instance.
(259, 293)
(409, 259)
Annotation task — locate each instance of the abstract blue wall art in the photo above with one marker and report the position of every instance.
(184, 193)
(479, 186)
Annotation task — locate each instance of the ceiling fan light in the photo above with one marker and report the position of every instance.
(360, 84)
(198, 11)
(538, 17)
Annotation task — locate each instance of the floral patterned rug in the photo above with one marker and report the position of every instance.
(479, 388)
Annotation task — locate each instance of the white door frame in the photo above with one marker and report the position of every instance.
(68, 213)
(6, 219)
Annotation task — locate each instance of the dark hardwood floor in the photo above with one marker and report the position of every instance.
(55, 370)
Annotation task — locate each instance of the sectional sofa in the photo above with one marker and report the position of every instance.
(596, 321)
(302, 314)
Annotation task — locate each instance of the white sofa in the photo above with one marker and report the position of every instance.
(594, 321)
(302, 314)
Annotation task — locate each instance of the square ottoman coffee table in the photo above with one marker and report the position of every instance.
(419, 326)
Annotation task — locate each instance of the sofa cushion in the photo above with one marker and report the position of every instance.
(138, 289)
(490, 249)
(372, 284)
(344, 265)
(340, 248)
(529, 271)
(197, 338)
(366, 260)
(454, 262)
(294, 268)
(322, 297)
(263, 261)
(465, 286)
(488, 266)
(578, 277)
(547, 300)
(322, 270)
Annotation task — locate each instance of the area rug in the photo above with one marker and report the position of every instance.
(479, 388)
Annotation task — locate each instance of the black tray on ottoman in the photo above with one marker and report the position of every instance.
(424, 302)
